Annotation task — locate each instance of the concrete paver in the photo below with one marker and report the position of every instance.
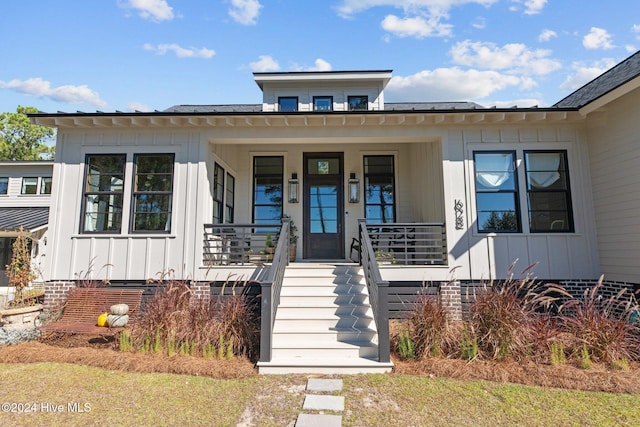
(315, 420)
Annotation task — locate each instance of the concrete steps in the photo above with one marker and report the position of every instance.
(324, 323)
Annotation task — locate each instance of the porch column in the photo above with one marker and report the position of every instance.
(451, 299)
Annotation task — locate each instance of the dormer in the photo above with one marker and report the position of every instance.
(323, 91)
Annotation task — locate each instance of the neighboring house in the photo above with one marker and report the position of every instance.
(442, 186)
(25, 196)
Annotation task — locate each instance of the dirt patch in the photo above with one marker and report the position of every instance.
(102, 352)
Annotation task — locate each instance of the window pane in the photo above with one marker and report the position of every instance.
(45, 185)
(268, 165)
(288, 104)
(267, 189)
(4, 185)
(229, 200)
(378, 165)
(358, 102)
(379, 189)
(322, 103)
(106, 173)
(504, 221)
(29, 185)
(496, 192)
(218, 194)
(103, 212)
(495, 171)
(317, 166)
(152, 221)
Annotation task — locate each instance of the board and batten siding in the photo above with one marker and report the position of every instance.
(125, 255)
(489, 255)
(614, 138)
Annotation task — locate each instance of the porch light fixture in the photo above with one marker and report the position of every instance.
(293, 188)
(354, 188)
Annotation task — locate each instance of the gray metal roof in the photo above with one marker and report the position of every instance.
(29, 218)
(230, 108)
(422, 106)
(625, 71)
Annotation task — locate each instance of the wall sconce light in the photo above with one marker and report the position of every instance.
(354, 188)
(293, 188)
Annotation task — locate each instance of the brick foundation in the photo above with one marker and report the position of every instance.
(55, 295)
(200, 290)
(450, 298)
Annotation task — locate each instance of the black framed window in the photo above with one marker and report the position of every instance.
(45, 185)
(152, 193)
(379, 189)
(268, 180)
(4, 185)
(230, 199)
(360, 102)
(497, 202)
(103, 193)
(29, 185)
(548, 191)
(288, 103)
(322, 103)
(218, 194)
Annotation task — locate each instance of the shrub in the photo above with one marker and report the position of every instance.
(174, 322)
(602, 326)
(430, 330)
(19, 270)
(405, 346)
(468, 344)
(511, 318)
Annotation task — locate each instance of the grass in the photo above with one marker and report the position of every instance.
(121, 398)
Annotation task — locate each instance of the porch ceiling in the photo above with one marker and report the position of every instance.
(306, 119)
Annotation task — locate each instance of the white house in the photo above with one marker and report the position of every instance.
(25, 195)
(199, 190)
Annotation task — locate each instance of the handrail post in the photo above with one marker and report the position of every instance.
(265, 322)
(384, 341)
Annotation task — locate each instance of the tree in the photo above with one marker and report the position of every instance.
(22, 140)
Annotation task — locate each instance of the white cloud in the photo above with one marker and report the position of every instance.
(180, 52)
(320, 65)
(513, 57)
(136, 106)
(68, 94)
(522, 103)
(245, 11)
(598, 38)
(423, 18)
(630, 48)
(584, 73)
(417, 27)
(531, 7)
(547, 35)
(480, 23)
(153, 10)
(450, 84)
(265, 63)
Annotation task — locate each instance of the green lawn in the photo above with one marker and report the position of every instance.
(120, 398)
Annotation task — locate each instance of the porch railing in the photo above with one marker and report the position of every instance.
(239, 244)
(271, 286)
(409, 243)
(378, 292)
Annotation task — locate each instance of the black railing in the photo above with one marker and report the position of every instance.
(409, 243)
(239, 244)
(271, 286)
(378, 292)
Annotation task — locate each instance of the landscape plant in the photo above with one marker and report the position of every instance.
(19, 271)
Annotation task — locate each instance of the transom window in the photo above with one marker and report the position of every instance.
(548, 192)
(496, 192)
(379, 187)
(322, 103)
(103, 193)
(152, 193)
(268, 178)
(359, 102)
(288, 103)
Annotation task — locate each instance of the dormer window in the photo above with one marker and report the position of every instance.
(360, 102)
(288, 103)
(322, 103)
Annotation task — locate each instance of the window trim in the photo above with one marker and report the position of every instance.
(134, 193)
(567, 191)
(516, 192)
(280, 98)
(85, 193)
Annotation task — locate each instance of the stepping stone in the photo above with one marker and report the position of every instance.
(308, 420)
(320, 384)
(322, 403)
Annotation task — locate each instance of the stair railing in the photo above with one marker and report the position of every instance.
(271, 286)
(378, 292)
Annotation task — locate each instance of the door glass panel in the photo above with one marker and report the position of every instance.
(323, 208)
(323, 166)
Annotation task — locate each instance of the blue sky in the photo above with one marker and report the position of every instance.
(146, 55)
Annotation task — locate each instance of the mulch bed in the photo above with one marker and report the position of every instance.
(102, 352)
